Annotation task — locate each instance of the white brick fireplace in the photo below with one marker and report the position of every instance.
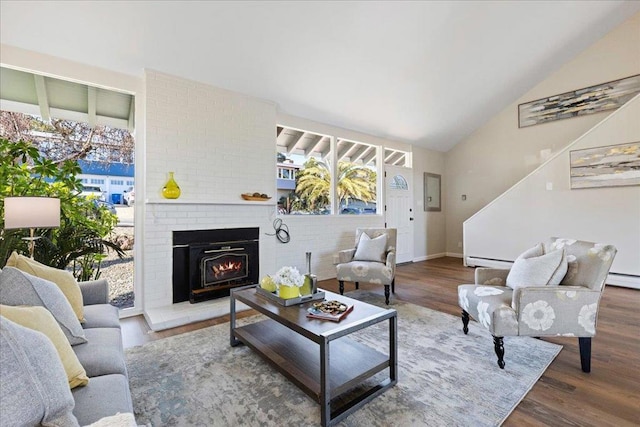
(220, 144)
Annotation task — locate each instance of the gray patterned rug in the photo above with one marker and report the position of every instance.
(445, 378)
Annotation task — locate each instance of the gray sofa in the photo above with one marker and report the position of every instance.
(102, 356)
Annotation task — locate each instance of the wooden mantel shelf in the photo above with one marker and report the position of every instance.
(206, 202)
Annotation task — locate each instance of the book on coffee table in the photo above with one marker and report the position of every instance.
(334, 311)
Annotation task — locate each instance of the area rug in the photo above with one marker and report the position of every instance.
(445, 378)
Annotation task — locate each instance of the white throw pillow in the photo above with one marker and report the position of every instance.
(534, 268)
(371, 249)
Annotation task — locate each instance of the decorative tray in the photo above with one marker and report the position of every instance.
(291, 301)
(253, 198)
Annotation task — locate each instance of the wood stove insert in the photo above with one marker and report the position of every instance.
(207, 264)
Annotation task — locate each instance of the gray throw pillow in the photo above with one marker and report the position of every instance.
(34, 388)
(20, 288)
(535, 269)
(371, 249)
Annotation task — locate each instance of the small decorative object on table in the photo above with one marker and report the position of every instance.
(171, 189)
(284, 287)
(289, 281)
(310, 285)
(255, 197)
(329, 310)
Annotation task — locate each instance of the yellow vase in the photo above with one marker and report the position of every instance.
(171, 189)
(288, 292)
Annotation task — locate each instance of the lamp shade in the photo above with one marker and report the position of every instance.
(31, 212)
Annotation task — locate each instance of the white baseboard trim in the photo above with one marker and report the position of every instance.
(454, 254)
(483, 262)
(428, 257)
(623, 280)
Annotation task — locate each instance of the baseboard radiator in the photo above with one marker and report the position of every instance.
(615, 279)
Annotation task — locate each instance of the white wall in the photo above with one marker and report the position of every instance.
(429, 227)
(529, 213)
(499, 154)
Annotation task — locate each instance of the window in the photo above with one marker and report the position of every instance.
(286, 173)
(117, 182)
(398, 183)
(97, 181)
(395, 157)
(357, 178)
(129, 182)
(304, 174)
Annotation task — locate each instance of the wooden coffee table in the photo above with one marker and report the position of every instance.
(310, 354)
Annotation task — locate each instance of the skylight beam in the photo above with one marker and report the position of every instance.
(92, 96)
(316, 146)
(43, 99)
(293, 146)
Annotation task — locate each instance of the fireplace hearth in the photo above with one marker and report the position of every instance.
(207, 264)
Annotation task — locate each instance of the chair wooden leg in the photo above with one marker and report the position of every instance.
(465, 322)
(386, 294)
(585, 353)
(498, 345)
(393, 285)
(341, 283)
(357, 285)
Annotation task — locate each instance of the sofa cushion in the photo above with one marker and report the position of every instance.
(39, 319)
(63, 279)
(371, 249)
(20, 288)
(364, 271)
(34, 388)
(101, 316)
(103, 354)
(535, 269)
(102, 397)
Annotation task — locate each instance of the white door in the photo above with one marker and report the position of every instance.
(399, 208)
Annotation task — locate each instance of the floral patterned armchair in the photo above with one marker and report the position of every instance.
(568, 308)
(372, 260)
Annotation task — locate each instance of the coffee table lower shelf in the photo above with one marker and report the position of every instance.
(298, 359)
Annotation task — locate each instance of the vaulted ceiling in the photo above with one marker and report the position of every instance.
(426, 73)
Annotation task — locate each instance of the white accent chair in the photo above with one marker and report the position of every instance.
(567, 306)
(369, 269)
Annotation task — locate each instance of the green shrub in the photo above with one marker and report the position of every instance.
(80, 242)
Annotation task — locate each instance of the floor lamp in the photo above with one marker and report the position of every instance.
(31, 213)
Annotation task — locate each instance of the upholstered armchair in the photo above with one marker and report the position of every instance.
(372, 260)
(552, 289)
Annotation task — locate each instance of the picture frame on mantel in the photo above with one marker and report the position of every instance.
(610, 166)
(589, 100)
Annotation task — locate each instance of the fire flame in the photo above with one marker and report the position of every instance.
(226, 267)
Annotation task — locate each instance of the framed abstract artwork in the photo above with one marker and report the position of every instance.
(592, 99)
(611, 166)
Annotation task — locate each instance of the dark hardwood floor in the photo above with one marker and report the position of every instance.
(564, 396)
